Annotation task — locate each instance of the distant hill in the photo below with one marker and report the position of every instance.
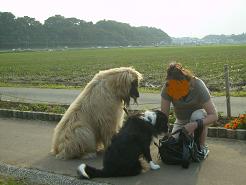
(58, 31)
(211, 39)
(224, 39)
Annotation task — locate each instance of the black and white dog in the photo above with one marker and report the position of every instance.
(121, 158)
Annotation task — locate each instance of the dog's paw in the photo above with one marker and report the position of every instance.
(154, 166)
(81, 172)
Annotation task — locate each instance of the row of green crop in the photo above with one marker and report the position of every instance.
(77, 67)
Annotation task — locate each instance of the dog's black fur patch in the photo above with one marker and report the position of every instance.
(121, 158)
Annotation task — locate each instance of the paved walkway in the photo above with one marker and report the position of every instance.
(25, 145)
(64, 96)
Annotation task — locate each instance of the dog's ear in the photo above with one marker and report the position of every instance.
(134, 89)
(128, 86)
(161, 121)
(122, 85)
(124, 79)
(161, 116)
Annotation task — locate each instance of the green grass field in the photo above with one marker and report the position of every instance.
(77, 67)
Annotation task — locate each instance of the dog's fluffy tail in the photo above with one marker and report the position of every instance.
(87, 172)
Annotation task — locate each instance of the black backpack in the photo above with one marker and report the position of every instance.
(181, 151)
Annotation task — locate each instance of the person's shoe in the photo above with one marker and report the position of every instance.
(203, 153)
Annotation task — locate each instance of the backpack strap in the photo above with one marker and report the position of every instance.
(177, 131)
(198, 132)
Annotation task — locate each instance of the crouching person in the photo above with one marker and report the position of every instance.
(191, 101)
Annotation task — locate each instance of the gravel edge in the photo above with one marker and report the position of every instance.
(42, 177)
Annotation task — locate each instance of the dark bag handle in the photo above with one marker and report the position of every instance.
(169, 135)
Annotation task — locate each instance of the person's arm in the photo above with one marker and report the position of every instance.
(211, 113)
(165, 106)
(210, 118)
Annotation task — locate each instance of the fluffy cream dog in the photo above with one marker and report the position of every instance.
(96, 114)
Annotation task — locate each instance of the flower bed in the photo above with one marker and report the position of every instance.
(237, 123)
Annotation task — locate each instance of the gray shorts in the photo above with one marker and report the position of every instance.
(198, 114)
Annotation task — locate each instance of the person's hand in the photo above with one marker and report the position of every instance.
(191, 127)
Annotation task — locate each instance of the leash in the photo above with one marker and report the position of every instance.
(125, 110)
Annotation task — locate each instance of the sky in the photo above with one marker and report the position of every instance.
(178, 18)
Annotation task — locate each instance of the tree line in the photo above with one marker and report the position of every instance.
(226, 39)
(58, 31)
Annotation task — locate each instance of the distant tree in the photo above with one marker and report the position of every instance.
(53, 27)
(7, 29)
(124, 34)
(29, 32)
(58, 31)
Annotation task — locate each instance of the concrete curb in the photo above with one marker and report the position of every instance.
(220, 132)
(41, 177)
(30, 115)
(239, 134)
